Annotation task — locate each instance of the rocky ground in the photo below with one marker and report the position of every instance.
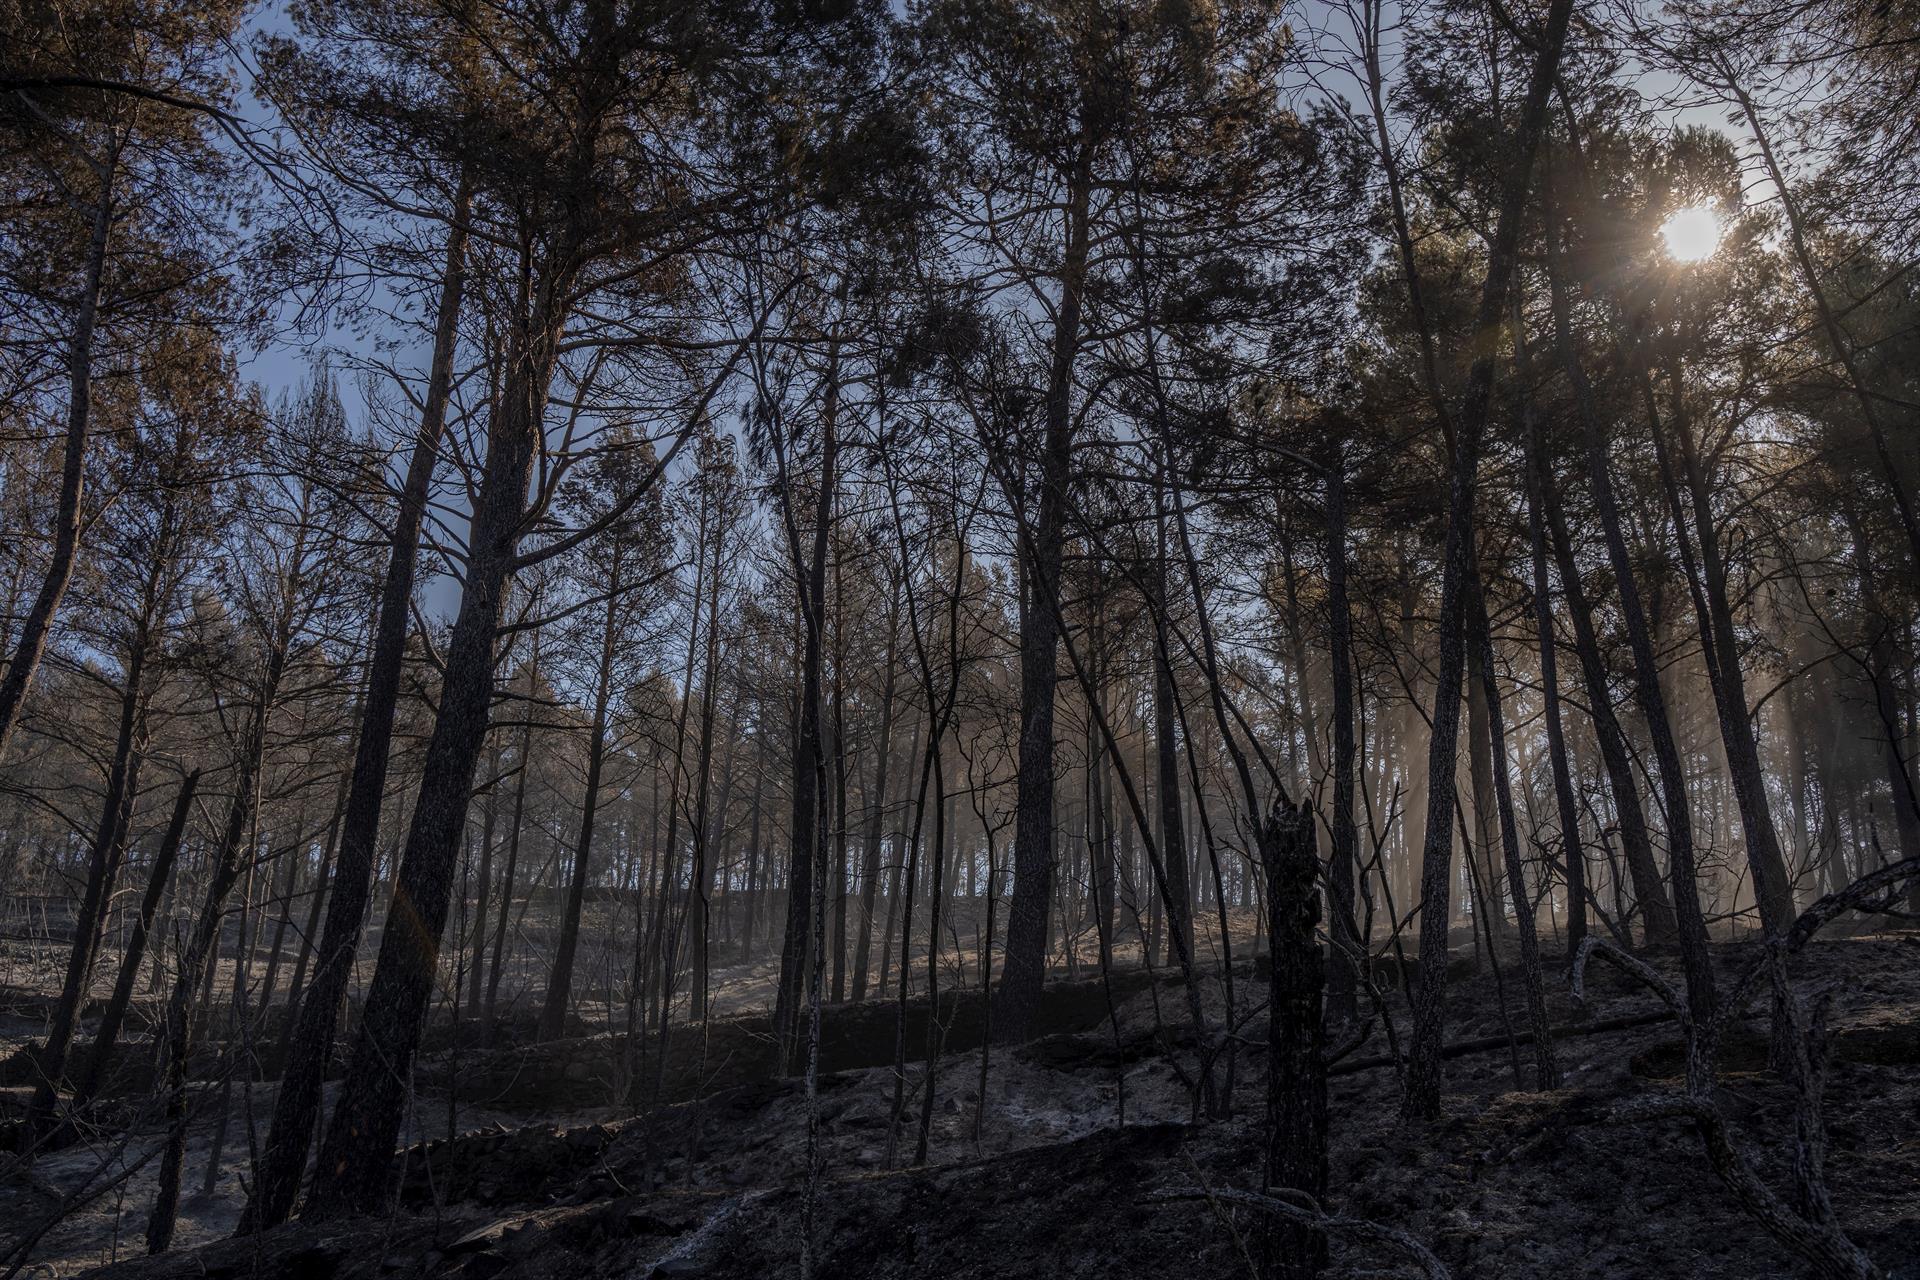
(1064, 1165)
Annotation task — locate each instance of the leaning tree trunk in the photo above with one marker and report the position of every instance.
(297, 1104)
(1636, 843)
(1653, 706)
(356, 1157)
(100, 1058)
(553, 1013)
(38, 624)
(1429, 1006)
(195, 961)
(110, 837)
(1568, 811)
(103, 869)
(1706, 571)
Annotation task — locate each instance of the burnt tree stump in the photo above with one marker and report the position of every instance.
(1296, 1039)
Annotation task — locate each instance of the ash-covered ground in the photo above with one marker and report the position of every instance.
(1082, 1155)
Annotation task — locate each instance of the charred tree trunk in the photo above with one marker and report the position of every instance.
(876, 808)
(483, 885)
(233, 855)
(1429, 1006)
(1017, 999)
(1296, 1156)
(553, 1011)
(38, 624)
(297, 1105)
(1636, 843)
(103, 870)
(699, 904)
(357, 1156)
(1571, 852)
(836, 880)
(809, 747)
(510, 872)
(104, 1040)
(1173, 836)
(1489, 906)
(1546, 1071)
(1652, 701)
(1706, 571)
(1349, 949)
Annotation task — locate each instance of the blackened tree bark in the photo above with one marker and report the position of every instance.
(836, 879)
(1429, 1005)
(628, 556)
(1546, 1071)
(754, 891)
(357, 1154)
(1166, 751)
(103, 870)
(483, 883)
(1017, 999)
(510, 872)
(38, 624)
(1296, 1155)
(100, 1057)
(1705, 567)
(1656, 909)
(1105, 859)
(1572, 855)
(698, 891)
(355, 1163)
(1489, 899)
(290, 859)
(936, 1024)
(277, 1173)
(714, 860)
(1690, 923)
(232, 856)
(877, 804)
(809, 760)
(1349, 950)
(322, 876)
(553, 1011)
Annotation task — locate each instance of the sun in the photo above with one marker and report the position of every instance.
(1692, 234)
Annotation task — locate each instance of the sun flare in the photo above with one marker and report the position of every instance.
(1692, 234)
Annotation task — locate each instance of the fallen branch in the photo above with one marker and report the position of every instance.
(1488, 1044)
(1872, 894)
(1628, 963)
(1809, 1227)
